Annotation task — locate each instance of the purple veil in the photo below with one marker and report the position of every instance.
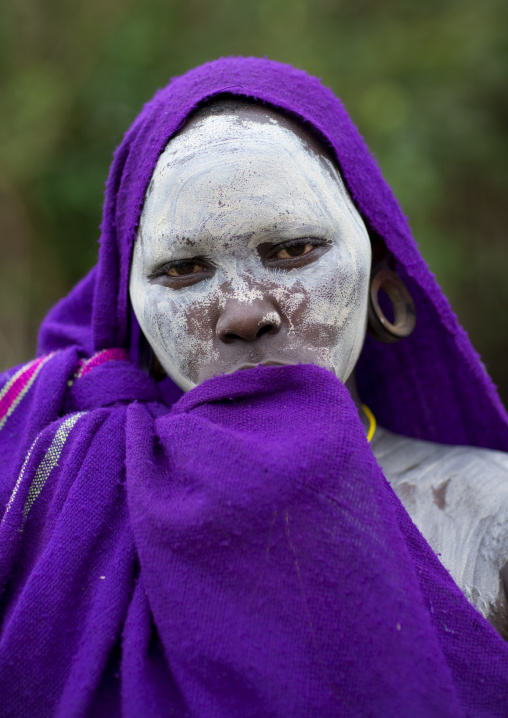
(236, 551)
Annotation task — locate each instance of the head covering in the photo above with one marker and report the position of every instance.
(238, 553)
(431, 386)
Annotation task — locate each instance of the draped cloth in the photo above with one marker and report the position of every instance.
(235, 551)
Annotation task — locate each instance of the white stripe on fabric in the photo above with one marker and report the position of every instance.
(20, 477)
(50, 460)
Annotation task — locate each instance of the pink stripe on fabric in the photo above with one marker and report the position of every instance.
(18, 386)
(102, 357)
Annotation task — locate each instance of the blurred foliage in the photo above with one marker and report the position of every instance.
(425, 82)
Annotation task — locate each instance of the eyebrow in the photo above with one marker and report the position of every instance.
(281, 230)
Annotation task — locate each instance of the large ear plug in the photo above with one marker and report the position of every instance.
(404, 312)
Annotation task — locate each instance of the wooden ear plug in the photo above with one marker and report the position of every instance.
(404, 312)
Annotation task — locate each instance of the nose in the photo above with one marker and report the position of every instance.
(247, 321)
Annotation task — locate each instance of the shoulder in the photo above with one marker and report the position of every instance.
(458, 498)
(451, 479)
(471, 471)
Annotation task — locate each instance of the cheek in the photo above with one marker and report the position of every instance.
(198, 321)
(335, 295)
(183, 332)
(294, 304)
(350, 299)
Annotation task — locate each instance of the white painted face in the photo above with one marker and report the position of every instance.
(249, 251)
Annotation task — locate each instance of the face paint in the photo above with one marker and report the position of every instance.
(249, 251)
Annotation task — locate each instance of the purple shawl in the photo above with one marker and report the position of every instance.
(236, 551)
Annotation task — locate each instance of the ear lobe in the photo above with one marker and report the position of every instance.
(404, 311)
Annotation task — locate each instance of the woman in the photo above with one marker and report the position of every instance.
(238, 551)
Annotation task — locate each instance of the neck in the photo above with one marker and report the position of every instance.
(353, 390)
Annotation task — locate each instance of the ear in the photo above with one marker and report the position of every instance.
(384, 279)
(404, 311)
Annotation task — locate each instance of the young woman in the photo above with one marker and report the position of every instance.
(236, 549)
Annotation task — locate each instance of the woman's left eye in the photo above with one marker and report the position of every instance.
(294, 250)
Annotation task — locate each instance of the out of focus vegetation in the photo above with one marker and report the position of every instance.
(425, 82)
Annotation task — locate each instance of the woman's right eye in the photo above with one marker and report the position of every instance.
(183, 269)
(182, 273)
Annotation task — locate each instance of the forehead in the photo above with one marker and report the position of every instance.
(229, 174)
(252, 136)
(245, 110)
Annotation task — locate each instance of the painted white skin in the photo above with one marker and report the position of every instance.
(224, 189)
(458, 498)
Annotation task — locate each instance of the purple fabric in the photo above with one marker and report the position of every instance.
(237, 552)
(455, 403)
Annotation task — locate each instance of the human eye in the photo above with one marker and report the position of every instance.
(182, 273)
(296, 252)
(183, 269)
(299, 249)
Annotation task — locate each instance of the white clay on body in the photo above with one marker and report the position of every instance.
(458, 498)
(221, 189)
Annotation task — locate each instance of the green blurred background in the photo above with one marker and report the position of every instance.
(425, 82)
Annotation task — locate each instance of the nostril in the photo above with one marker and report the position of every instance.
(264, 330)
(230, 337)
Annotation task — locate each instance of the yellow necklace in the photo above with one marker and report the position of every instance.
(372, 422)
